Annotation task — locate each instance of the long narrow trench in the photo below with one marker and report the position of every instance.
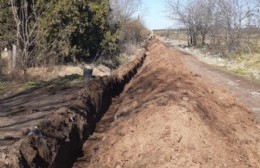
(57, 141)
(106, 122)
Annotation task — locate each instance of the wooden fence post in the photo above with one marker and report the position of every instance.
(14, 56)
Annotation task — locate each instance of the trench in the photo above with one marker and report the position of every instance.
(58, 141)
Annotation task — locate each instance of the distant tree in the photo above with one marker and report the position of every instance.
(132, 30)
(124, 10)
(227, 23)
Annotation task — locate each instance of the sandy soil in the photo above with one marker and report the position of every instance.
(169, 115)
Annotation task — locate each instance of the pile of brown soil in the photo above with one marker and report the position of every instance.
(167, 116)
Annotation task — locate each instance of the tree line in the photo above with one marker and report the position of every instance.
(224, 25)
(46, 31)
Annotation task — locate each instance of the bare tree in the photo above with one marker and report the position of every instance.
(195, 17)
(24, 31)
(204, 15)
(124, 10)
(27, 18)
(180, 13)
(227, 23)
(132, 28)
(258, 13)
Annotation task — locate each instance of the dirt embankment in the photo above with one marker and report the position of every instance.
(47, 127)
(168, 116)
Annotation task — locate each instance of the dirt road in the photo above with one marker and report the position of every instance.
(170, 116)
(243, 89)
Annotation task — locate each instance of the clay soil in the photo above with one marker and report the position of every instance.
(170, 115)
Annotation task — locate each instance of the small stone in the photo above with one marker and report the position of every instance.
(254, 93)
(185, 99)
(104, 138)
(231, 83)
(179, 139)
(168, 158)
(4, 156)
(210, 91)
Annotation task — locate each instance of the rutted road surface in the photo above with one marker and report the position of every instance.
(245, 90)
(170, 116)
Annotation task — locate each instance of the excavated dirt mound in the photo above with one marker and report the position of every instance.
(168, 116)
(47, 126)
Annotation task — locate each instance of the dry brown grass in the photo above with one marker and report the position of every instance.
(48, 73)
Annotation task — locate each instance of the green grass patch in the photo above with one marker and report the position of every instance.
(34, 84)
(16, 87)
(3, 86)
(122, 60)
(239, 71)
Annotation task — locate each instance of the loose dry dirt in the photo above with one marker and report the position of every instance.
(171, 116)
